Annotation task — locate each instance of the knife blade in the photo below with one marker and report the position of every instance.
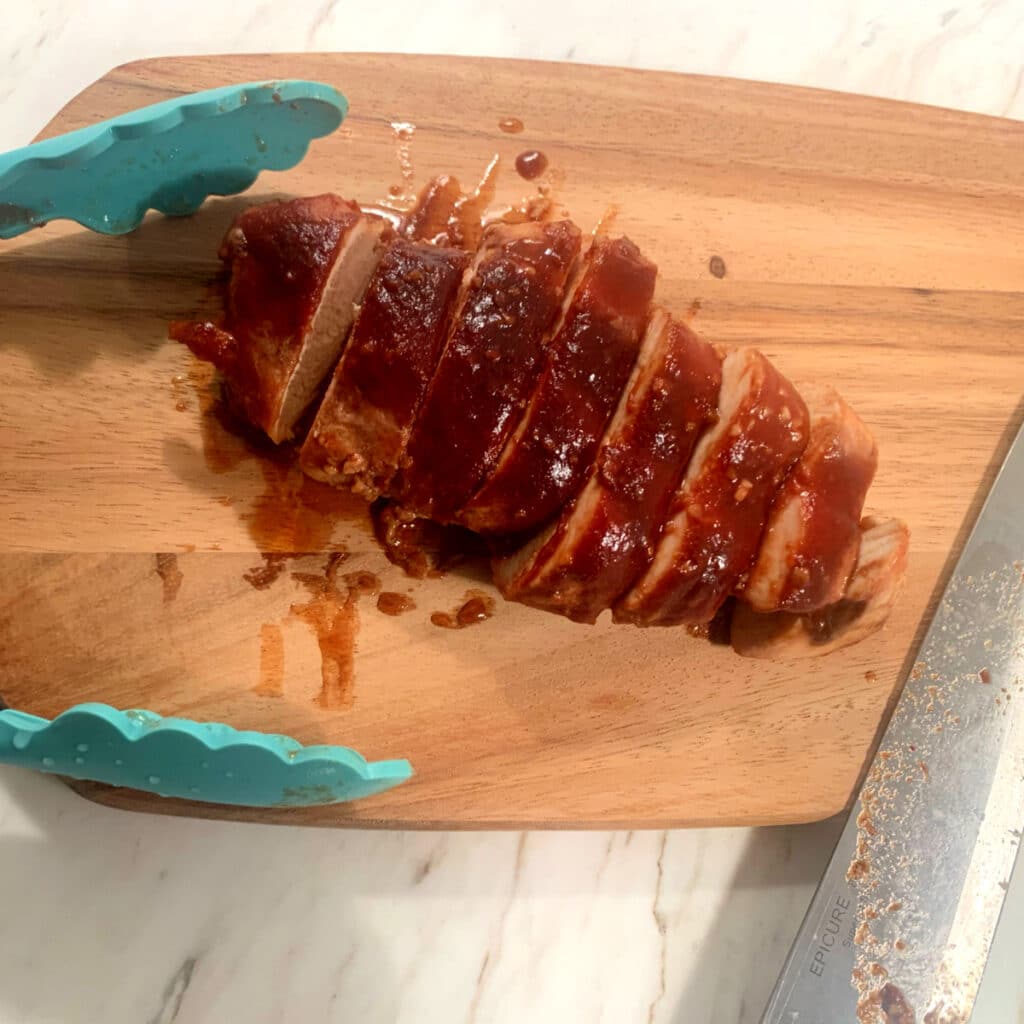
(900, 927)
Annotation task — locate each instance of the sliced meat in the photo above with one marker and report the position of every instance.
(363, 425)
(588, 363)
(862, 610)
(489, 365)
(297, 270)
(809, 548)
(718, 515)
(433, 209)
(590, 556)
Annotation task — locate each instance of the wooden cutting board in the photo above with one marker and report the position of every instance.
(874, 245)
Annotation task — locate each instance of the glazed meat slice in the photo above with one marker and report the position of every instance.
(862, 610)
(363, 425)
(717, 517)
(605, 538)
(489, 365)
(810, 546)
(588, 363)
(297, 269)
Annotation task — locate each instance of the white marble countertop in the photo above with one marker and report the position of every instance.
(125, 919)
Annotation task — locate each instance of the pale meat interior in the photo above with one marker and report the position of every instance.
(358, 439)
(355, 263)
(863, 609)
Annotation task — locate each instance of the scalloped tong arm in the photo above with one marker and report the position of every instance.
(168, 157)
(202, 761)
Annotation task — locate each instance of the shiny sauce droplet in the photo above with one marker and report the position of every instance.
(531, 164)
(511, 125)
(392, 603)
(473, 611)
(476, 607)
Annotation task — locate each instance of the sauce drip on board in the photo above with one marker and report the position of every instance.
(531, 164)
(169, 573)
(179, 392)
(511, 125)
(332, 614)
(476, 607)
(261, 577)
(403, 132)
(271, 682)
(444, 214)
(392, 603)
(291, 512)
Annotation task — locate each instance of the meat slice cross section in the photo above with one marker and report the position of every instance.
(810, 546)
(297, 270)
(489, 366)
(605, 538)
(861, 610)
(588, 364)
(718, 514)
(361, 430)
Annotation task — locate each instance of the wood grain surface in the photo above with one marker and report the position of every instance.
(873, 245)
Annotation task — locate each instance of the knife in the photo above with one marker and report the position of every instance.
(900, 927)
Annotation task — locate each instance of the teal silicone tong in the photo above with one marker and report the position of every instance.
(192, 760)
(170, 157)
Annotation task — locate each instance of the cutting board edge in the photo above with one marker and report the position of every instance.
(130, 70)
(137, 801)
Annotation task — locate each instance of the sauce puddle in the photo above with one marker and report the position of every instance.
(290, 512)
